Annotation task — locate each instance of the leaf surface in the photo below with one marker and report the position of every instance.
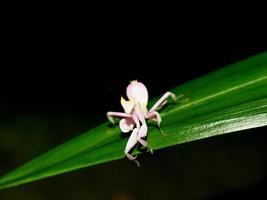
(231, 99)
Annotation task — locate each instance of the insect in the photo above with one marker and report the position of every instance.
(135, 115)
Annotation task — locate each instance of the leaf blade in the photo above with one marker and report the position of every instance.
(231, 99)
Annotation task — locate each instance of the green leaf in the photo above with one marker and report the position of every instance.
(231, 99)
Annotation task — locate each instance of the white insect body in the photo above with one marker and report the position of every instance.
(136, 113)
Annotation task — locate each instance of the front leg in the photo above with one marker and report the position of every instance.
(130, 144)
(112, 115)
(142, 133)
(143, 129)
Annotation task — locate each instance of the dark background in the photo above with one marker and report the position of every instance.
(60, 79)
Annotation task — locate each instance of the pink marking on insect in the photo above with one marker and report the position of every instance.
(136, 113)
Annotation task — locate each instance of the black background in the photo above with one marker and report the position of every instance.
(68, 71)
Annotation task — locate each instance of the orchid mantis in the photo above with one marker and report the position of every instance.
(136, 113)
